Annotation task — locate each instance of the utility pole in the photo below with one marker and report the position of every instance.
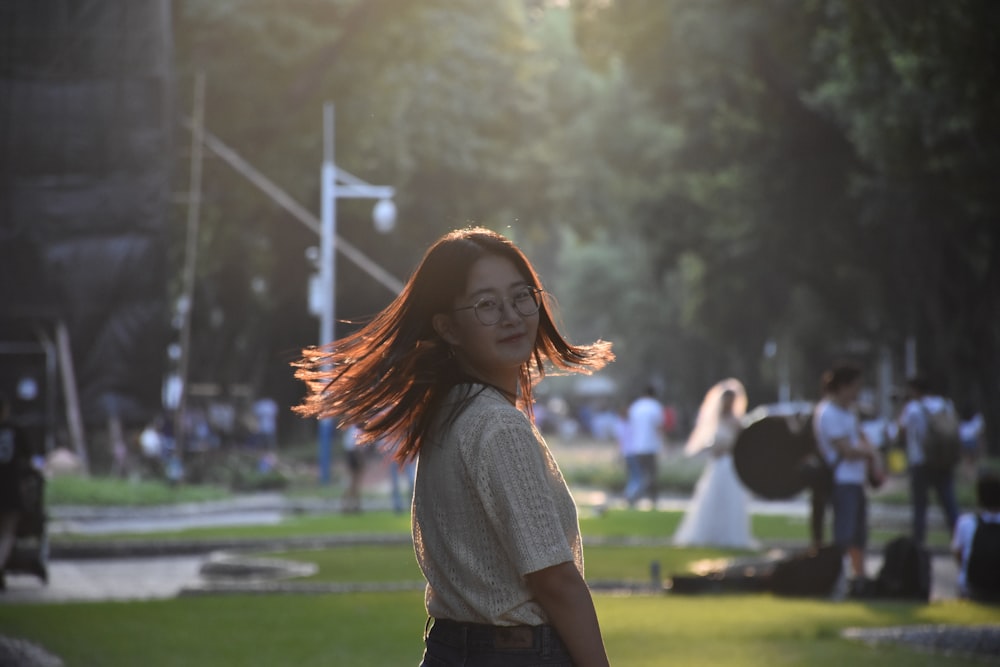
(190, 258)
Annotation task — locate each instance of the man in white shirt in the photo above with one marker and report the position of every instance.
(645, 423)
(848, 452)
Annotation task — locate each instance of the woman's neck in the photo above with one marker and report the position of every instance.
(506, 383)
(507, 389)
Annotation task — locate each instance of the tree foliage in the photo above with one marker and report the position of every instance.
(694, 179)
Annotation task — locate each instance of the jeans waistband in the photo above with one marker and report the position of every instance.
(495, 637)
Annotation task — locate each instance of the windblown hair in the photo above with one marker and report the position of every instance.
(392, 376)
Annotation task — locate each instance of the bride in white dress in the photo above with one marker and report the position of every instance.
(718, 515)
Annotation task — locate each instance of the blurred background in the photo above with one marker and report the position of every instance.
(720, 188)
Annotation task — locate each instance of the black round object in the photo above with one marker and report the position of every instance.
(768, 454)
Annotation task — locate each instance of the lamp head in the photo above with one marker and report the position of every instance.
(384, 216)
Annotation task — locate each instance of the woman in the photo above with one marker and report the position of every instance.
(718, 514)
(495, 529)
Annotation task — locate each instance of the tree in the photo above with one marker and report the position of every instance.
(915, 88)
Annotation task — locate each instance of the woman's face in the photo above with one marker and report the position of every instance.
(491, 352)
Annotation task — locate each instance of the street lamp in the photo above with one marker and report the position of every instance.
(339, 184)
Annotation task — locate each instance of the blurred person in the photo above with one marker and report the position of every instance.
(15, 460)
(623, 436)
(401, 475)
(119, 448)
(848, 453)
(914, 424)
(495, 528)
(718, 514)
(976, 543)
(645, 423)
(265, 412)
(354, 460)
(972, 432)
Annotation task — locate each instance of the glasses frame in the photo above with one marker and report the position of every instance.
(536, 292)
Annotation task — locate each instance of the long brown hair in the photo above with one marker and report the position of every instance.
(392, 376)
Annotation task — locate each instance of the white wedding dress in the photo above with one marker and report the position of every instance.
(718, 515)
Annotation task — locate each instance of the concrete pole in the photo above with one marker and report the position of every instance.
(328, 272)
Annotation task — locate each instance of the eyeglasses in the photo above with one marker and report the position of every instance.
(489, 309)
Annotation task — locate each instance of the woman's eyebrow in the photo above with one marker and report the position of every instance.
(492, 290)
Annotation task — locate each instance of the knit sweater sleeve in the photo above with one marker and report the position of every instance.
(517, 483)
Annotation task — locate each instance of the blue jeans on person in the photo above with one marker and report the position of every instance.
(400, 476)
(922, 480)
(850, 516)
(452, 644)
(646, 474)
(632, 481)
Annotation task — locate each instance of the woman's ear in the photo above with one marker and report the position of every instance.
(445, 327)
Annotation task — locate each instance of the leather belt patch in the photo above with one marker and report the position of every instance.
(513, 637)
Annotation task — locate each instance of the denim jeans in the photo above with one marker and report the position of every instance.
(922, 480)
(850, 516)
(647, 482)
(451, 644)
(632, 481)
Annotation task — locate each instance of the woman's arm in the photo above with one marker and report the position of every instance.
(565, 597)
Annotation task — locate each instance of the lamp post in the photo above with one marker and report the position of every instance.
(384, 218)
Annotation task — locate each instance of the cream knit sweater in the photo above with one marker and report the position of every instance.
(490, 505)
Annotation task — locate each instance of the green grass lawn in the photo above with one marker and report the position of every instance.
(396, 563)
(616, 525)
(376, 629)
(111, 491)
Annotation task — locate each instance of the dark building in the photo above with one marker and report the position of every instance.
(85, 159)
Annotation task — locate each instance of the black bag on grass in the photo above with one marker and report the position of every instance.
(906, 570)
(812, 573)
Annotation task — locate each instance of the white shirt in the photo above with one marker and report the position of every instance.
(914, 421)
(645, 420)
(965, 531)
(831, 423)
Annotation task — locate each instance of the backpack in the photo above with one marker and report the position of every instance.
(982, 575)
(942, 443)
(906, 570)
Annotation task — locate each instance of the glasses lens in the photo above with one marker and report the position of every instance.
(489, 311)
(526, 302)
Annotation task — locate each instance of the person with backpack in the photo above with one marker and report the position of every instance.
(929, 425)
(976, 543)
